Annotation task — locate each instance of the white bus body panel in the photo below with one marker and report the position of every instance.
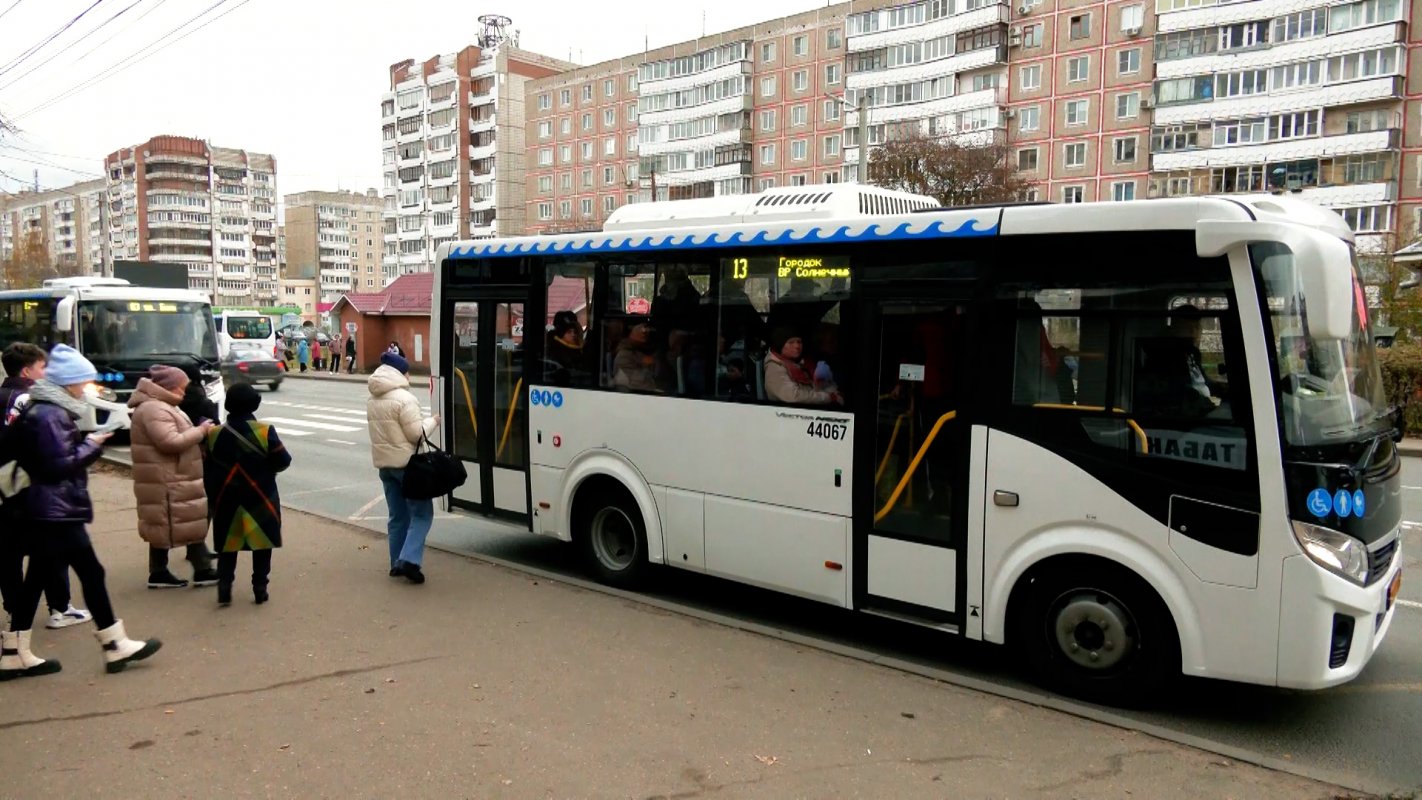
(771, 512)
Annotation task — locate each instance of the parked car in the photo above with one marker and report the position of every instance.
(254, 365)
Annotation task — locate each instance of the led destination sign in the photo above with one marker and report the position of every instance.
(788, 266)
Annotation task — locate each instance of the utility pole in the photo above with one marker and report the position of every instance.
(862, 112)
(107, 267)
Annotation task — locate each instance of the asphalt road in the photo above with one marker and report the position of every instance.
(1361, 735)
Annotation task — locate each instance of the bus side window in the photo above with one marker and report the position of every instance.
(567, 359)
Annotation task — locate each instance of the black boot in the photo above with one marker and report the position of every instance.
(224, 593)
(206, 576)
(259, 593)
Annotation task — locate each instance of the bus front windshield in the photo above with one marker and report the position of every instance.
(247, 328)
(1330, 390)
(140, 332)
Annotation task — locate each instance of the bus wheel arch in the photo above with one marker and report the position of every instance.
(613, 527)
(1091, 627)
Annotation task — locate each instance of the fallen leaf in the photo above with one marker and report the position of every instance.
(285, 746)
(768, 760)
(907, 715)
(364, 547)
(371, 690)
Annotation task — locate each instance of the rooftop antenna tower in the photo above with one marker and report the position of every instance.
(494, 31)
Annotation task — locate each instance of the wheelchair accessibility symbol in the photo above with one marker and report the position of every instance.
(543, 397)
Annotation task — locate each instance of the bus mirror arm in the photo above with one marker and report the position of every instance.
(1319, 261)
(64, 314)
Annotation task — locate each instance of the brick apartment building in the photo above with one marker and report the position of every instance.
(66, 222)
(335, 239)
(179, 200)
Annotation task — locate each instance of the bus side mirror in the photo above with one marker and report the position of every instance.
(64, 314)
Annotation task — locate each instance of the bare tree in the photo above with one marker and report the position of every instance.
(29, 264)
(955, 174)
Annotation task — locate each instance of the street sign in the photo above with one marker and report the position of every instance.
(351, 328)
(639, 305)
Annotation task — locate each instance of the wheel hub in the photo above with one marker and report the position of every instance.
(614, 539)
(1094, 631)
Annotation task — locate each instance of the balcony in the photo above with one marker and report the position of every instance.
(1290, 150)
(947, 26)
(477, 152)
(1258, 105)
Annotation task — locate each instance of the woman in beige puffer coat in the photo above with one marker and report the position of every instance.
(167, 478)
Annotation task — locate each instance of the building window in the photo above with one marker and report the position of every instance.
(545, 129)
(1124, 149)
(565, 181)
(1032, 35)
(1076, 112)
(1030, 77)
(609, 147)
(834, 39)
(831, 110)
(545, 157)
(831, 146)
(1079, 26)
(798, 180)
(587, 179)
(609, 204)
(1029, 118)
(545, 101)
(585, 206)
(800, 80)
(799, 115)
(1073, 194)
(767, 86)
(609, 117)
(800, 45)
(1303, 25)
(767, 53)
(545, 183)
(1132, 18)
(609, 87)
(565, 97)
(565, 125)
(1368, 219)
(587, 151)
(1123, 191)
(1128, 62)
(1074, 154)
(587, 92)
(765, 183)
(1077, 69)
(799, 149)
(832, 72)
(767, 154)
(587, 122)
(1128, 105)
(1027, 159)
(565, 209)
(767, 119)
(631, 113)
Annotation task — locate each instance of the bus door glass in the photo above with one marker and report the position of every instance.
(489, 413)
(917, 518)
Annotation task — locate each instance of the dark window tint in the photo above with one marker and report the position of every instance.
(567, 360)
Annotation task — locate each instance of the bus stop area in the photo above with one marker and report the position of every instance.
(489, 682)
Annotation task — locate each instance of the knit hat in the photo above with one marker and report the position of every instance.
(68, 367)
(170, 378)
(398, 362)
(780, 336)
(242, 399)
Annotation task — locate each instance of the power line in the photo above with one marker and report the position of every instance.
(67, 47)
(131, 23)
(136, 58)
(8, 10)
(20, 59)
(44, 163)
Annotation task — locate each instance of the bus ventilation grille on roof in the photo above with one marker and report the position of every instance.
(793, 199)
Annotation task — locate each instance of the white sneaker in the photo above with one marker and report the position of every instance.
(67, 617)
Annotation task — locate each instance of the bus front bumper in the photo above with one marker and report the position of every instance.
(1333, 627)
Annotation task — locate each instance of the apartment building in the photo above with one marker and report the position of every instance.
(65, 222)
(178, 200)
(454, 148)
(1300, 97)
(335, 239)
(1079, 98)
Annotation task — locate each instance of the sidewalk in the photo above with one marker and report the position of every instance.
(1410, 446)
(486, 682)
(359, 377)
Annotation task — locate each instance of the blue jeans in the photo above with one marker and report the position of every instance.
(409, 522)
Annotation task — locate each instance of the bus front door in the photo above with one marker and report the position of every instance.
(488, 410)
(911, 518)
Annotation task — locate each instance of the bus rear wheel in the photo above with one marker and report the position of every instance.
(613, 536)
(1099, 633)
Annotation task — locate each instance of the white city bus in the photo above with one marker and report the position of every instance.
(123, 329)
(250, 327)
(1129, 439)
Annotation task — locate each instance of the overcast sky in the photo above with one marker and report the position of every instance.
(300, 79)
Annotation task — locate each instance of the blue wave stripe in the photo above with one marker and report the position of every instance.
(621, 243)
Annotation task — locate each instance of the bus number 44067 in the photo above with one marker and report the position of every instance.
(828, 430)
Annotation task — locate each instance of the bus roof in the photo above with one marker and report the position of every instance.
(690, 228)
(113, 292)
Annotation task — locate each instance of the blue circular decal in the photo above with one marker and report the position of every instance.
(1320, 503)
(1343, 503)
(557, 399)
(533, 397)
(1359, 502)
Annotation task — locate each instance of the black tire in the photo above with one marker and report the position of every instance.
(274, 386)
(612, 535)
(1097, 632)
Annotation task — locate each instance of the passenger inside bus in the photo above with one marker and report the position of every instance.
(789, 379)
(1037, 364)
(564, 349)
(634, 365)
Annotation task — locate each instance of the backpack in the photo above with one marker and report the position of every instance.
(13, 480)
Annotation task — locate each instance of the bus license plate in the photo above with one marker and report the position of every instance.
(1393, 590)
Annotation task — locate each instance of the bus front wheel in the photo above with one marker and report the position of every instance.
(613, 535)
(1097, 632)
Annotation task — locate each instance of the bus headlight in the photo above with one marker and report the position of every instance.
(1336, 552)
(100, 392)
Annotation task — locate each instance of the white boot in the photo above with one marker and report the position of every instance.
(16, 660)
(119, 650)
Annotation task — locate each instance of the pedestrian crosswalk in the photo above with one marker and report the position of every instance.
(311, 419)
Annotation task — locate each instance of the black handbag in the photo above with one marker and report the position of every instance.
(432, 472)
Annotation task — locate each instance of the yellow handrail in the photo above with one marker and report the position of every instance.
(1140, 432)
(468, 401)
(508, 421)
(888, 451)
(913, 466)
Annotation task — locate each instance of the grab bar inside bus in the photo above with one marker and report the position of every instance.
(1140, 432)
(508, 421)
(468, 401)
(913, 466)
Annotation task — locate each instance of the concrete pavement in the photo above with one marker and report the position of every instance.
(486, 682)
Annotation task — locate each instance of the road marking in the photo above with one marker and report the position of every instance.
(340, 441)
(285, 432)
(380, 498)
(335, 418)
(320, 426)
(1413, 488)
(1409, 603)
(359, 412)
(304, 492)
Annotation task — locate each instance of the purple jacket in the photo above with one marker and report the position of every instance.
(57, 459)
